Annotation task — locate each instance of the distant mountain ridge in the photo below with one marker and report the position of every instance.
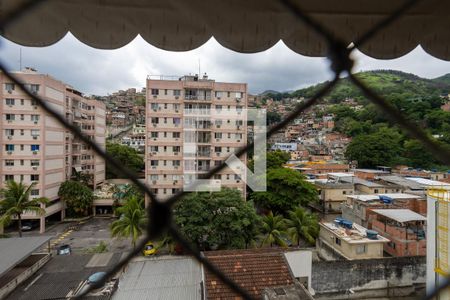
(384, 82)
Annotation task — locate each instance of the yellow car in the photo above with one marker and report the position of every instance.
(149, 249)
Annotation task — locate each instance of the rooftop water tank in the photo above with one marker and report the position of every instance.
(372, 234)
(386, 199)
(347, 224)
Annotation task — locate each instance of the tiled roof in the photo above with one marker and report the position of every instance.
(252, 270)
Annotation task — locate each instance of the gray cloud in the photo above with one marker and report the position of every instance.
(95, 71)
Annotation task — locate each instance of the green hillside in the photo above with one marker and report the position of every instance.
(385, 82)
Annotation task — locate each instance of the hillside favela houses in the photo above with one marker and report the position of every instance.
(193, 124)
(36, 148)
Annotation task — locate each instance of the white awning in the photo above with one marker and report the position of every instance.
(244, 26)
(78, 169)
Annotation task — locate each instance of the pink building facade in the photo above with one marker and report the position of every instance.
(181, 113)
(35, 147)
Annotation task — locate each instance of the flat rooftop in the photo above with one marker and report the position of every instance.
(341, 174)
(16, 250)
(356, 235)
(427, 182)
(400, 215)
(373, 197)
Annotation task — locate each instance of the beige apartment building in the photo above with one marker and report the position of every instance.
(193, 124)
(36, 148)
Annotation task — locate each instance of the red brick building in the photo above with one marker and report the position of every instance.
(405, 229)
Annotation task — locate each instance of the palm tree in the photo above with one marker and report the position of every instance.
(273, 229)
(302, 224)
(16, 201)
(132, 220)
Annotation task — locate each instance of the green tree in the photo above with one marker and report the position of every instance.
(272, 230)
(380, 148)
(82, 177)
(127, 156)
(274, 159)
(286, 190)
(301, 224)
(273, 117)
(219, 220)
(78, 197)
(16, 200)
(132, 220)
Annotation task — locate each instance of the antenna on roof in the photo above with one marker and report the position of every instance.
(20, 59)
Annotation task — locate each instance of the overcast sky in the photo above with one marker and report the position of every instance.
(100, 72)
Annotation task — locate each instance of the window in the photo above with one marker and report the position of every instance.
(9, 177)
(33, 102)
(165, 148)
(177, 93)
(34, 88)
(218, 135)
(238, 136)
(165, 105)
(375, 191)
(10, 101)
(176, 135)
(228, 94)
(34, 132)
(22, 101)
(176, 148)
(22, 131)
(9, 147)
(165, 120)
(153, 148)
(154, 177)
(34, 193)
(217, 149)
(176, 163)
(361, 249)
(176, 121)
(392, 245)
(155, 92)
(217, 176)
(154, 106)
(154, 163)
(34, 147)
(237, 177)
(154, 134)
(165, 92)
(10, 87)
(338, 241)
(34, 177)
(10, 117)
(165, 134)
(238, 95)
(34, 163)
(155, 120)
(217, 163)
(344, 192)
(219, 107)
(9, 163)
(22, 147)
(218, 94)
(9, 132)
(228, 149)
(22, 117)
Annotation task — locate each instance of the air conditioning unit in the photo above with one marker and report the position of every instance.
(177, 97)
(175, 182)
(154, 139)
(35, 137)
(153, 152)
(153, 167)
(217, 140)
(10, 105)
(176, 139)
(35, 152)
(176, 125)
(176, 110)
(35, 107)
(154, 124)
(175, 153)
(35, 168)
(9, 152)
(9, 137)
(154, 182)
(218, 126)
(218, 153)
(238, 127)
(154, 109)
(155, 96)
(238, 99)
(9, 91)
(35, 122)
(218, 98)
(238, 141)
(175, 167)
(9, 121)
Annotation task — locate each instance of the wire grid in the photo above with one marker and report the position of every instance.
(160, 213)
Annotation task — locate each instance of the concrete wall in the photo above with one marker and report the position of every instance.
(376, 277)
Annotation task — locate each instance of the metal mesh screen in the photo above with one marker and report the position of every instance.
(160, 217)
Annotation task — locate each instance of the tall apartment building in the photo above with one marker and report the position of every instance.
(36, 148)
(193, 124)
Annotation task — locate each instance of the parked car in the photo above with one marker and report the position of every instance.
(64, 250)
(29, 225)
(149, 249)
